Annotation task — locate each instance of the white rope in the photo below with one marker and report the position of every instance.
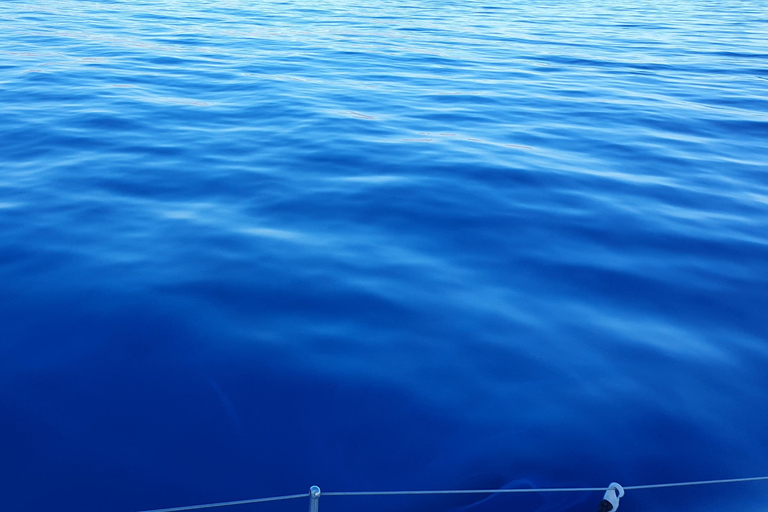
(465, 491)
(229, 503)
(701, 482)
(564, 489)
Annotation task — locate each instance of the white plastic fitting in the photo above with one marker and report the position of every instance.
(612, 495)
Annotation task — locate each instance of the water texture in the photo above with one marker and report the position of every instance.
(251, 246)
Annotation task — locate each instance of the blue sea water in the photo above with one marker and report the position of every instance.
(249, 246)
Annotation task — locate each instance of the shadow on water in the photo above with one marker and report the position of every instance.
(129, 408)
(136, 405)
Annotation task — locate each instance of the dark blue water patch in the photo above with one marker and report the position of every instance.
(255, 414)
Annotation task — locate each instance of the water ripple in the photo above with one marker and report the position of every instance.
(387, 245)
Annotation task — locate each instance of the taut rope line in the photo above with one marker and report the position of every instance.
(229, 503)
(701, 482)
(314, 493)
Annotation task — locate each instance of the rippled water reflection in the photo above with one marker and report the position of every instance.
(247, 247)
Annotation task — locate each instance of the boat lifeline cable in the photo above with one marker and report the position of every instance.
(612, 494)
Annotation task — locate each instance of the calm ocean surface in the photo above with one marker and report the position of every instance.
(250, 246)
